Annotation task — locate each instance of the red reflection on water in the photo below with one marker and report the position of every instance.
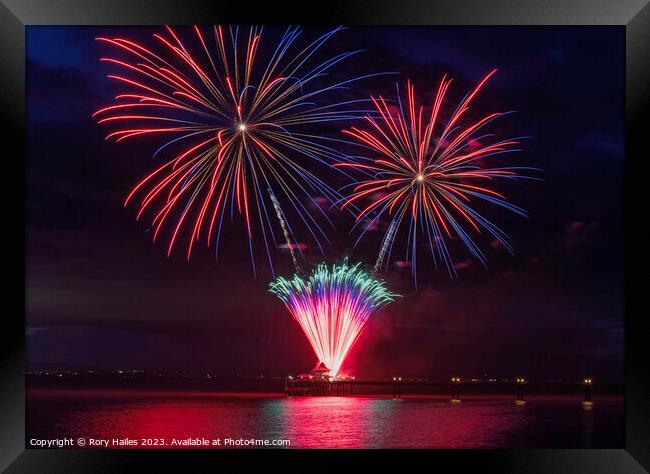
(323, 422)
(174, 419)
(327, 422)
(348, 422)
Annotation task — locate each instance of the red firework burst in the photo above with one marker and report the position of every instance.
(242, 120)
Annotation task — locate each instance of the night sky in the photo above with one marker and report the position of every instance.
(100, 294)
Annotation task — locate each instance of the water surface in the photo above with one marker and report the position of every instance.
(329, 422)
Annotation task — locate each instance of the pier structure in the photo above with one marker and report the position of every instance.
(520, 384)
(456, 385)
(311, 384)
(587, 384)
(317, 382)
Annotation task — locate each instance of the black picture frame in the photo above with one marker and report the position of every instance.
(632, 15)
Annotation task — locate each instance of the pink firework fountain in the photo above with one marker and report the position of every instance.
(332, 306)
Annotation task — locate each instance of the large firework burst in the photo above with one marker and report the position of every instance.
(237, 123)
(332, 307)
(428, 173)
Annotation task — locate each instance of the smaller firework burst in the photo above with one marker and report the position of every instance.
(332, 306)
(429, 173)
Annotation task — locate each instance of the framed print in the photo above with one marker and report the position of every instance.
(398, 230)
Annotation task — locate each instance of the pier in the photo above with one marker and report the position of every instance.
(455, 388)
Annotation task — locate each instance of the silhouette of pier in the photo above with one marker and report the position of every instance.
(455, 387)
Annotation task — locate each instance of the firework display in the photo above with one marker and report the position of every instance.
(332, 306)
(427, 172)
(364, 237)
(235, 118)
(240, 126)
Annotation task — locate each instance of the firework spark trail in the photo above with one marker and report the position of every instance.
(388, 240)
(240, 120)
(285, 231)
(429, 173)
(332, 307)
